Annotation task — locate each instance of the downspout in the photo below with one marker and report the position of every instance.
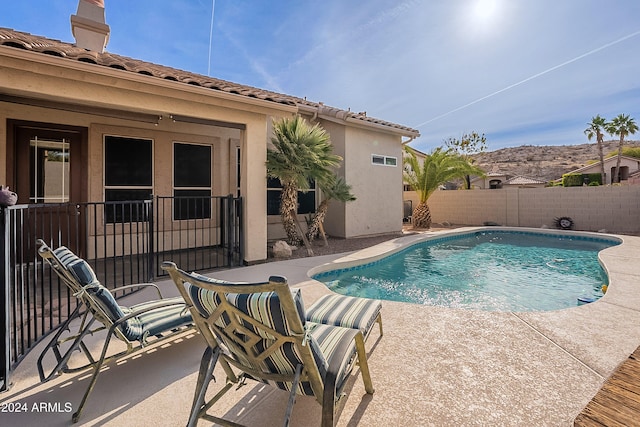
(409, 140)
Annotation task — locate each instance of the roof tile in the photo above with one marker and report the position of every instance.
(22, 40)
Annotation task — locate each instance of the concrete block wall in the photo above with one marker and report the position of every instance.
(612, 208)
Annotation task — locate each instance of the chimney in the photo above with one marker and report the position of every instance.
(88, 25)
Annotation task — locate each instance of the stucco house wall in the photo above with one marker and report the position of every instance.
(58, 79)
(630, 164)
(378, 207)
(51, 82)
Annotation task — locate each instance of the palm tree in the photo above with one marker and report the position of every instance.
(621, 125)
(436, 169)
(302, 153)
(335, 189)
(596, 127)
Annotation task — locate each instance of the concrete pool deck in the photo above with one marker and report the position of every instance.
(433, 366)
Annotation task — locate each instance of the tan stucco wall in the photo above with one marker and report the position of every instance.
(612, 208)
(29, 75)
(378, 208)
(609, 166)
(32, 75)
(335, 221)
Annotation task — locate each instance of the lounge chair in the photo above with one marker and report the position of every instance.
(261, 330)
(136, 326)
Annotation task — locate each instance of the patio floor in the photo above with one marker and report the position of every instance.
(433, 366)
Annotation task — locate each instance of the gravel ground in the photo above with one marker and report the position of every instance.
(337, 245)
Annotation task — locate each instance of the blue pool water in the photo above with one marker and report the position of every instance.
(485, 270)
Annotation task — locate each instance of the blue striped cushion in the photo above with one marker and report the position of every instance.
(158, 321)
(79, 269)
(265, 307)
(84, 275)
(326, 343)
(345, 311)
(332, 341)
(137, 328)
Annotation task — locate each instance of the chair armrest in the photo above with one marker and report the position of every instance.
(138, 285)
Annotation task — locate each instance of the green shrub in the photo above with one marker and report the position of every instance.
(572, 180)
(594, 178)
(578, 179)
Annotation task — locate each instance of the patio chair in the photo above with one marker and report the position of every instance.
(260, 329)
(136, 326)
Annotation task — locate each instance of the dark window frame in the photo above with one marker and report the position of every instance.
(118, 187)
(307, 203)
(192, 193)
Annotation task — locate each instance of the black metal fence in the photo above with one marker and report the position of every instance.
(125, 242)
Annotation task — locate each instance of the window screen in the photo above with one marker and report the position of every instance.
(191, 181)
(306, 200)
(128, 177)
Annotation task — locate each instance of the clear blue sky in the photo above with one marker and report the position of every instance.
(520, 71)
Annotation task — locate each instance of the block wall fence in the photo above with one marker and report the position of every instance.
(615, 209)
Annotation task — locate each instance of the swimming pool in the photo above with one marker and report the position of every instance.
(492, 270)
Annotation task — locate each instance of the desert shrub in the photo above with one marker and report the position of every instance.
(572, 180)
(594, 178)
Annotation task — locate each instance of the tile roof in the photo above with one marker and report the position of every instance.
(523, 180)
(26, 41)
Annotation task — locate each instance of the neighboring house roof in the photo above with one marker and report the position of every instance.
(491, 175)
(523, 180)
(29, 42)
(612, 159)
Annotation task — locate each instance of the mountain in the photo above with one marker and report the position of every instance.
(543, 162)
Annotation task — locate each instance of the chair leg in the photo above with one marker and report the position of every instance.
(292, 395)
(94, 377)
(53, 345)
(364, 364)
(63, 359)
(205, 375)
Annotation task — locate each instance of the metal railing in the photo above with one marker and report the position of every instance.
(125, 242)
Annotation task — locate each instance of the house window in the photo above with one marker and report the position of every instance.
(128, 176)
(191, 181)
(306, 200)
(50, 166)
(377, 159)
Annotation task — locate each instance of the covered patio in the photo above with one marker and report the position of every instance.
(433, 366)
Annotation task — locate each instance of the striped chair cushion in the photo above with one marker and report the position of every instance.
(86, 278)
(158, 321)
(335, 342)
(76, 266)
(345, 311)
(135, 329)
(327, 343)
(264, 307)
